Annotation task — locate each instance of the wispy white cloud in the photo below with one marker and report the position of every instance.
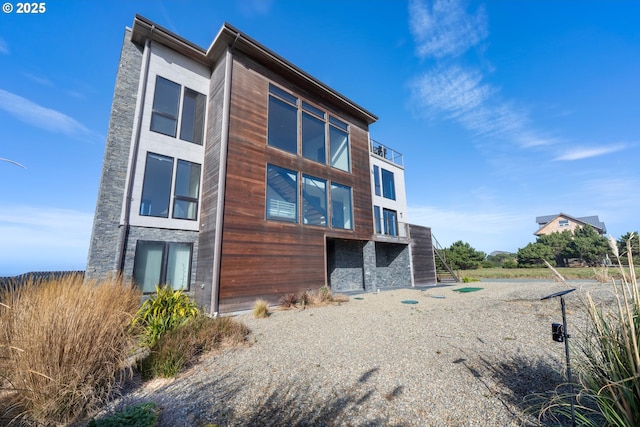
(579, 153)
(4, 47)
(41, 237)
(38, 79)
(45, 118)
(445, 29)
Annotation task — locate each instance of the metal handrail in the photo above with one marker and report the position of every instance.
(386, 153)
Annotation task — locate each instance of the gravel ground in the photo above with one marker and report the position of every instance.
(467, 359)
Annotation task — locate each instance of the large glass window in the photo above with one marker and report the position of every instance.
(282, 194)
(192, 122)
(341, 209)
(283, 120)
(164, 117)
(390, 222)
(339, 144)
(166, 104)
(376, 180)
(378, 219)
(160, 263)
(388, 185)
(314, 201)
(185, 201)
(313, 140)
(156, 188)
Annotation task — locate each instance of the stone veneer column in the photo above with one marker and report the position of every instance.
(106, 235)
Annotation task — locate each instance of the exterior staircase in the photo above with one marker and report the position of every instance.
(444, 273)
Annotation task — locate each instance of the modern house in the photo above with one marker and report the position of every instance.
(233, 174)
(548, 224)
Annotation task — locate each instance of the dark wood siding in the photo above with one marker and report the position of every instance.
(210, 183)
(263, 258)
(424, 269)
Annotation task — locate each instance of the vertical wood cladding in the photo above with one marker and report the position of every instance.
(424, 268)
(210, 183)
(263, 258)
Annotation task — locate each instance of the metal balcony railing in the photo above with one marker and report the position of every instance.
(386, 153)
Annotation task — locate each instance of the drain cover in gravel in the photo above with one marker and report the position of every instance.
(437, 296)
(409, 301)
(465, 290)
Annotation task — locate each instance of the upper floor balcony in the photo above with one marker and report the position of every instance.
(386, 153)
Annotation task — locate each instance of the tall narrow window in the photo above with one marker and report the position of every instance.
(282, 194)
(164, 117)
(339, 144)
(283, 120)
(192, 122)
(185, 200)
(162, 263)
(313, 133)
(377, 217)
(156, 188)
(314, 201)
(376, 180)
(390, 222)
(388, 185)
(341, 208)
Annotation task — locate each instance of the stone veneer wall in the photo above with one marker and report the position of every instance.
(106, 235)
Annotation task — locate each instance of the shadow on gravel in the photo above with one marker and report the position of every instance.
(528, 385)
(224, 399)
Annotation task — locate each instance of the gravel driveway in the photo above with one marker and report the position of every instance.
(452, 359)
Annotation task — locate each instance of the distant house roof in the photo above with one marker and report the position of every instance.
(592, 220)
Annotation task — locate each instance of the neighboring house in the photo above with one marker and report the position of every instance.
(234, 175)
(558, 223)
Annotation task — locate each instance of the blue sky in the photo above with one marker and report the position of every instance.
(504, 111)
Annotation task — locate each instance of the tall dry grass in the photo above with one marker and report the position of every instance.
(64, 344)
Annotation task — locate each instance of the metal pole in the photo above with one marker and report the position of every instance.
(566, 351)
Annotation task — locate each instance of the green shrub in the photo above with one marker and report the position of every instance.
(510, 264)
(467, 279)
(65, 344)
(142, 415)
(164, 311)
(181, 346)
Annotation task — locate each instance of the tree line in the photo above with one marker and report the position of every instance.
(584, 247)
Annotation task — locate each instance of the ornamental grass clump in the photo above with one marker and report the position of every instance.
(64, 345)
(261, 309)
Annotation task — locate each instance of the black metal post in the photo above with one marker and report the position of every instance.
(566, 351)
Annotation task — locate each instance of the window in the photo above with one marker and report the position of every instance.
(563, 223)
(283, 120)
(164, 116)
(378, 219)
(314, 201)
(166, 104)
(193, 108)
(185, 200)
(157, 186)
(390, 220)
(388, 185)
(341, 209)
(159, 263)
(376, 180)
(282, 194)
(314, 133)
(339, 144)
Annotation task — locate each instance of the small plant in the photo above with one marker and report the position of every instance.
(261, 309)
(321, 297)
(141, 415)
(181, 346)
(469, 279)
(164, 311)
(304, 299)
(288, 301)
